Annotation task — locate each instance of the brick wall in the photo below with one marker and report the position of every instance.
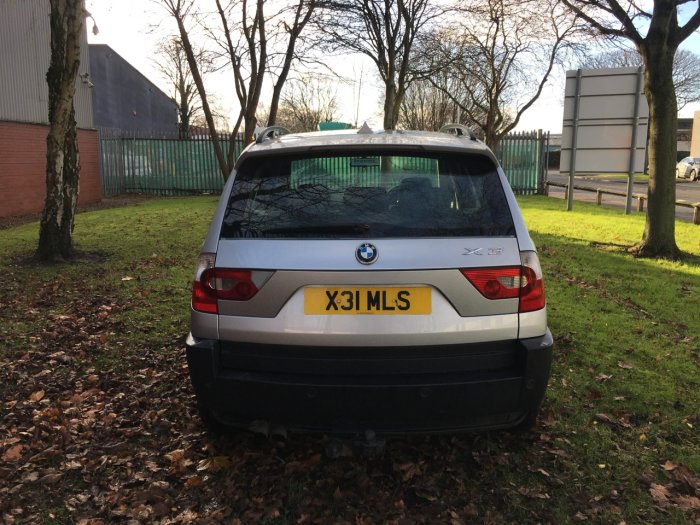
(23, 168)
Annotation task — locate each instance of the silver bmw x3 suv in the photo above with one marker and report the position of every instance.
(358, 281)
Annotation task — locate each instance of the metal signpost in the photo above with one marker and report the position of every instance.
(605, 125)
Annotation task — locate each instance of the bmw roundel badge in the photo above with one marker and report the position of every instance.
(366, 253)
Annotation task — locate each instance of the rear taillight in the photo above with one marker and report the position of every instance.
(510, 282)
(203, 298)
(495, 283)
(532, 293)
(212, 284)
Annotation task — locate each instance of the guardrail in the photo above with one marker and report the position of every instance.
(640, 198)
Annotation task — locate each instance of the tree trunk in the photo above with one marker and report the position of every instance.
(390, 115)
(659, 233)
(184, 110)
(224, 166)
(62, 156)
(249, 124)
(491, 138)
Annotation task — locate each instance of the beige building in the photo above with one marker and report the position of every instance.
(695, 137)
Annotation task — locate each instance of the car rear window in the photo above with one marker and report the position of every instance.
(367, 195)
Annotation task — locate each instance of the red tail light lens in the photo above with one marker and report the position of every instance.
(532, 293)
(212, 284)
(524, 282)
(495, 283)
(232, 285)
(203, 298)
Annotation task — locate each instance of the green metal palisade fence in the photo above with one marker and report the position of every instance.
(166, 165)
(155, 164)
(523, 156)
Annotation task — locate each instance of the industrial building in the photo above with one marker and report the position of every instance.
(124, 99)
(24, 61)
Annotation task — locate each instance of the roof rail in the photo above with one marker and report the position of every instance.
(459, 130)
(270, 133)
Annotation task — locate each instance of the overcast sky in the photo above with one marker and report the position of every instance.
(133, 28)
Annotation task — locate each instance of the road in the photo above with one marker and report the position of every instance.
(685, 190)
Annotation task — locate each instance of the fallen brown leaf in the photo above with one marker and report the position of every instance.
(194, 481)
(687, 502)
(604, 418)
(37, 396)
(214, 464)
(532, 492)
(660, 494)
(51, 478)
(669, 465)
(13, 453)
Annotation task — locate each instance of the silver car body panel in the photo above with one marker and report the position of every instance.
(211, 241)
(466, 300)
(203, 325)
(533, 324)
(385, 141)
(394, 254)
(443, 326)
(524, 241)
(240, 328)
(460, 314)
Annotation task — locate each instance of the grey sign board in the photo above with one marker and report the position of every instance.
(605, 125)
(602, 108)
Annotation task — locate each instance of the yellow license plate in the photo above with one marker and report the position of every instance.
(374, 301)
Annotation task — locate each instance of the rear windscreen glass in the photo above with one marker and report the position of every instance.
(363, 195)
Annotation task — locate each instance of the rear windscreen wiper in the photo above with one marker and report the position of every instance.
(319, 228)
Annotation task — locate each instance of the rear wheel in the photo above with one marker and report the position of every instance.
(693, 175)
(527, 423)
(212, 423)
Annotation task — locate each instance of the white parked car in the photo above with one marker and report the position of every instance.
(688, 168)
(357, 282)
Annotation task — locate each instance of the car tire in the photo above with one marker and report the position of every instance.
(693, 175)
(678, 174)
(527, 423)
(212, 423)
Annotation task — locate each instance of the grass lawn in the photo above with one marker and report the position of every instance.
(98, 416)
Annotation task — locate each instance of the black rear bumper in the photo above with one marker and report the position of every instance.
(347, 390)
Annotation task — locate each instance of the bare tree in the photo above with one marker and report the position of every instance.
(686, 70)
(427, 107)
(301, 14)
(306, 102)
(498, 59)
(253, 42)
(243, 37)
(656, 34)
(182, 12)
(385, 31)
(221, 119)
(241, 32)
(62, 156)
(172, 64)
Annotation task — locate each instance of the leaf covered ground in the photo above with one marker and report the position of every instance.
(99, 424)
